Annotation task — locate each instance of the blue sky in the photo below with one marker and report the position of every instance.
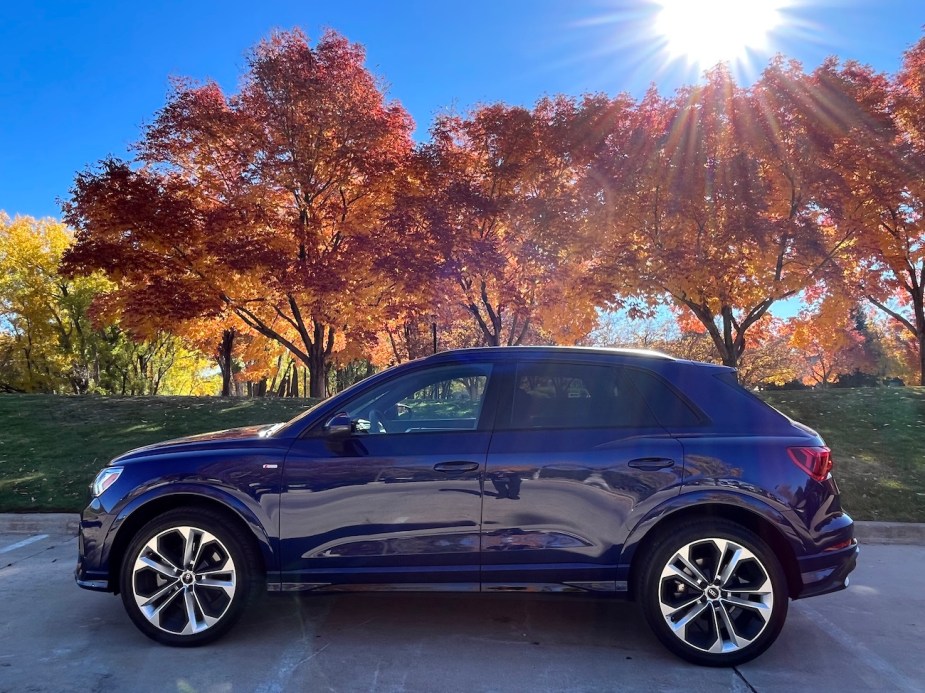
(78, 79)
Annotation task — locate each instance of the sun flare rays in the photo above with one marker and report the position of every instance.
(706, 32)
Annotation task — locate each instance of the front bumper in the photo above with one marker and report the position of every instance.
(828, 571)
(92, 571)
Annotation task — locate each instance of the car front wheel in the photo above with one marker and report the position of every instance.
(186, 577)
(714, 593)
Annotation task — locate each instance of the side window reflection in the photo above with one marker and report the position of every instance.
(439, 399)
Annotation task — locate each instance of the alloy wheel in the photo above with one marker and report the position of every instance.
(183, 580)
(715, 595)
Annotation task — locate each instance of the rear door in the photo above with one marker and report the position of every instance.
(576, 452)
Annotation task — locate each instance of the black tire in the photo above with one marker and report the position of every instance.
(699, 615)
(188, 561)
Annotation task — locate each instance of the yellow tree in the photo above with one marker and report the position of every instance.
(48, 339)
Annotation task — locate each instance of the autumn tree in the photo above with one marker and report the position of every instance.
(496, 207)
(828, 343)
(47, 339)
(883, 165)
(718, 204)
(265, 204)
(53, 337)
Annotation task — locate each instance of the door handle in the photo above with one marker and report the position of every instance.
(651, 464)
(456, 467)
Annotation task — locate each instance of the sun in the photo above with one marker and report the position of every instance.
(706, 32)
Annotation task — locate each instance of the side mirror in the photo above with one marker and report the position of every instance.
(340, 426)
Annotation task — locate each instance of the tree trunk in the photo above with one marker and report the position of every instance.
(319, 350)
(918, 306)
(922, 358)
(282, 391)
(225, 349)
(316, 371)
(915, 326)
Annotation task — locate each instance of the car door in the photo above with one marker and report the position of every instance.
(575, 454)
(397, 500)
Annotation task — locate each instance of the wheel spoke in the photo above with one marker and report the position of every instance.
(227, 585)
(764, 610)
(207, 620)
(735, 640)
(189, 604)
(763, 588)
(671, 570)
(691, 566)
(678, 626)
(169, 571)
(204, 540)
(717, 646)
(729, 569)
(669, 611)
(190, 541)
(144, 602)
(226, 567)
(152, 613)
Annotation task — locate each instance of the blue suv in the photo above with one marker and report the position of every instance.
(588, 471)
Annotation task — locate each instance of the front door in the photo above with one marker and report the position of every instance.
(399, 500)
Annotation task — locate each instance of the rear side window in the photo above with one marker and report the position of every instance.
(670, 408)
(571, 395)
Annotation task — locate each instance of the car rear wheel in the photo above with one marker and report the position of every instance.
(186, 577)
(714, 593)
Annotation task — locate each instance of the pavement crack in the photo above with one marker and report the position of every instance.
(744, 680)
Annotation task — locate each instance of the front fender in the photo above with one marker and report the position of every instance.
(230, 498)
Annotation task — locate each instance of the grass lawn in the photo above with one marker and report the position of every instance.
(51, 446)
(877, 436)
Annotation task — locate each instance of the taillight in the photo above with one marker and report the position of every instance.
(817, 462)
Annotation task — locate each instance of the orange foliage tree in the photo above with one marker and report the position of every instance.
(714, 200)
(265, 204)
(884, 193)
(495, 209)
(828, 344)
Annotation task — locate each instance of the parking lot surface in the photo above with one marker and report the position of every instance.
(57, 637)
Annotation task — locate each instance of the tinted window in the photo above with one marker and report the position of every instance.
(568, 395)
(445, 398)
(669, 407)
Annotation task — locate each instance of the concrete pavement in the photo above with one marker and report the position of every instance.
(60, 638)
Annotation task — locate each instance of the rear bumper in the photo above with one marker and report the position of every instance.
(827, 571)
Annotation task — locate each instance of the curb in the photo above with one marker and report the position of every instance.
(39, 523)
(890, 533)
(911, 533)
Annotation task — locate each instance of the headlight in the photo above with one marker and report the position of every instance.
(105, 479)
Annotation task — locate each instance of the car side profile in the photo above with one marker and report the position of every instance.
(568, 470)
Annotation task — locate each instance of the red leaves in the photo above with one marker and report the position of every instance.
(299, 205)
(263, 202)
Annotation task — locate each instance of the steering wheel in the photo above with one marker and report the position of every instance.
(376, 424)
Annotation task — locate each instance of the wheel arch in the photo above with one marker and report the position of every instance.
(142, 511)
(643, 538)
